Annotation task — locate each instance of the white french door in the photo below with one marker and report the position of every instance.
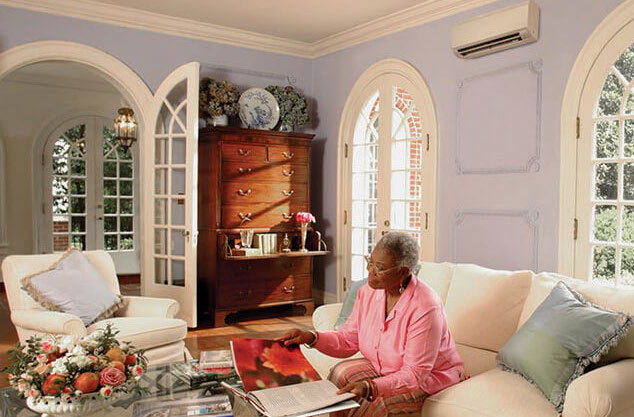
(170, 157)
(390, 170)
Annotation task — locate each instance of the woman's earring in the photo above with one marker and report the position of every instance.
(401, 288)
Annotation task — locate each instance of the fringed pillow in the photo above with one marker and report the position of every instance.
(72, 285)
(563, 336)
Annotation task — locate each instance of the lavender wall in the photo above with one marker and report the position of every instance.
(497, 219)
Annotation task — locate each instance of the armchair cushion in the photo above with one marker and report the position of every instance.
(48, 322)
(146, 332)
(562, 337)
(148, 307)
(348, 302)
(72, 285)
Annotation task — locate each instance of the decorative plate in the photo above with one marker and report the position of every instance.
(259, 109)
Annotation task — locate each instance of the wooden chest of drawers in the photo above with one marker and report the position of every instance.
(250, 179)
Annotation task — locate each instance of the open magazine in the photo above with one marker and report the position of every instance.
(278, 380)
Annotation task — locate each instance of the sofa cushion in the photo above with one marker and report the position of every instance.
(483, 305)
(348, 302)
(562, 337)
(476, 361)
(72, 285)
(145, 332)
(491, 394)
(437, 276)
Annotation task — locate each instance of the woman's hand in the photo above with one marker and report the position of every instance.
(296, 337)
(359, 389)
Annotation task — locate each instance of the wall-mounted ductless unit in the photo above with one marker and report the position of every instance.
(492, 32)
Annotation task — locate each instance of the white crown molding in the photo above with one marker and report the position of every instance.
(153, 22)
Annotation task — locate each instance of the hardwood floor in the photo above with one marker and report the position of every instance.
(267, 323)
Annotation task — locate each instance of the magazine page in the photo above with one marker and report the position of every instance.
(299, 398)
(268, 363)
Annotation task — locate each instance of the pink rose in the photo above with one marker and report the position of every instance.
(303, 217)
(42, 358)
(138, 370)
(67, 391)
(112, 376)
(33, 393)
(48, 347)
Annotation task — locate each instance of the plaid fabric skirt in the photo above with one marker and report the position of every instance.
(353, 370)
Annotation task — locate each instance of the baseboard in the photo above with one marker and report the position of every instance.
(324, 297)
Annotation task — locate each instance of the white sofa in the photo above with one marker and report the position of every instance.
(484, 309)
(147, 323)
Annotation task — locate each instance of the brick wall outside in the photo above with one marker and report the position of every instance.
(61, 242)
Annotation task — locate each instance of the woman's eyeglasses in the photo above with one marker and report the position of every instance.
(371, 266)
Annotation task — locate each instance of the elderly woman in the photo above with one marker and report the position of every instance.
(399, 326)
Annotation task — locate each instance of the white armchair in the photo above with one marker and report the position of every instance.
(148, 323)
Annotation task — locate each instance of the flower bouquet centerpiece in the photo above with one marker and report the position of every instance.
(218, 101)
(293, 107)
(304, 219)
(69, 375)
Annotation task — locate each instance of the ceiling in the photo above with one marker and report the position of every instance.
(305, 28)
(299, 20)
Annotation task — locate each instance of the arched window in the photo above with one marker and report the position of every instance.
(601, 193)
(387, 166)
(92, 183)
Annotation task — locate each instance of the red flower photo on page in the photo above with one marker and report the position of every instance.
(267, 363)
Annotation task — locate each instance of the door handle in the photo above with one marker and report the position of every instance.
(287, 173)
(244, 193)
(244, 171)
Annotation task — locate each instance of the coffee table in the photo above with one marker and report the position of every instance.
(158, 381)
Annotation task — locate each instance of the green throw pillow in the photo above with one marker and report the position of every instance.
(562, 337)
(348, 302)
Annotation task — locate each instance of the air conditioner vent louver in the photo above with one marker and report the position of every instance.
(501, 29)
(493, 43)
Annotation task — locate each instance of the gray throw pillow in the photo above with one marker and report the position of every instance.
(563, 336)
(348, 302)
(72, 285)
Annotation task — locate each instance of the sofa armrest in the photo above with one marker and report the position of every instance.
(325, 317)
(48, 322)
(603, 392)
(148, 307)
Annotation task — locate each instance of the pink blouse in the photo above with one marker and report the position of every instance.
(411, 348)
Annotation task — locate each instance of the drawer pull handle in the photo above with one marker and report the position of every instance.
(244, 171)
(288, 155)
(244, 218)
(288, 216)
(244, 193)
(288, 193)
(287, 173)
(289, 290)
(243, 152)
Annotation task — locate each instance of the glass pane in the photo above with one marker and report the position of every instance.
(78, 224)
(406, 120)
(415, 185)
(125, 223)
(370, 214)
(125, 187)
(606, 181)
(78, 186)
(398, 215)
(60, 148)
(77, 205)
(628, 139)
(178, 181)
(125, 170)
(160, 241)
(178, 212)
(359, 271)
(126, 206)
(110, 242)
(124, 154)
(110, 187)
(60, 166)
(603, 263)
(357, 240)
(60, 205)
(160, 211)
(126, 242)
(610, 98)
(399, 155)
(177, 245)
(629, 104)
(60, 186)
(160, 271)
(178, 150)
(628, 181)
(160, 152)
(625, 63)
(110, 205)
(178, 273)
(110, 169)
(605, 223)
(160, 181)
(78, 242)
(399, 187)
(607, 139)
(627, 266)
(110, 224)
(627, 224)
(358, 186)
(370, 241)
(414, 215)
(78, 167)
(357, 213)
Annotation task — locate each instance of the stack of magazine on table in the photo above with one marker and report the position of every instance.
(214, 365)
(217, 406)
(278, 381)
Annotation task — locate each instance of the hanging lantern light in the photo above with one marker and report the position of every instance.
(125, 128)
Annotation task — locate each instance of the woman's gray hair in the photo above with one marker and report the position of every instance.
(404, 247)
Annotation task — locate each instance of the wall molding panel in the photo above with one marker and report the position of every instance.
(490, 237)
(488, 141)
